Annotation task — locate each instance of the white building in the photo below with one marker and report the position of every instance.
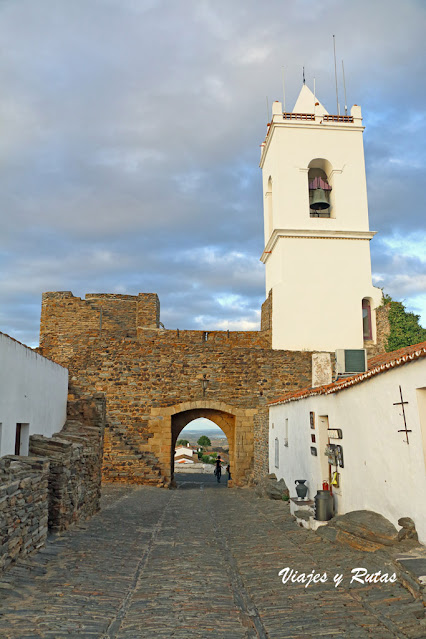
(185, 455)
(317, 252)
(33, 396)
(379, 465)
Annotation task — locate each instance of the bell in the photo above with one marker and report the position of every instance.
(319, 200)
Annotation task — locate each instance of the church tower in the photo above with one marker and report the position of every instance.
(317, 251)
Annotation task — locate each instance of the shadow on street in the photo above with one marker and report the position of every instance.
(200, 481)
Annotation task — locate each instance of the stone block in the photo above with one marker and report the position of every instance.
(271, 488)
(365, 530)
(408, 530)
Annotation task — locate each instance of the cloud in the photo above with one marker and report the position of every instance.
(399, 267)
(130, 145)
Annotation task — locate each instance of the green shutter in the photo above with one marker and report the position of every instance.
(354, 361)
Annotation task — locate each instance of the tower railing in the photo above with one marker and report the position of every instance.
(298, 116)
(311, 116)
(338, 118)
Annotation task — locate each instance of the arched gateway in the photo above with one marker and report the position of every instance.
(236, 423)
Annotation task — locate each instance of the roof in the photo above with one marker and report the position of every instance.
(183, 457)
(306, 102)
(376, 365)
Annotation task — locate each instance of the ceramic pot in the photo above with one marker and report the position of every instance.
(301, 489)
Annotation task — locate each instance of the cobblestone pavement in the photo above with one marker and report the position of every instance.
(198, 562)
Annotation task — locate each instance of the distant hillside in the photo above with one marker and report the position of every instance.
(194, 436)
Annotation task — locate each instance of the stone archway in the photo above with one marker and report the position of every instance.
(225, 421)
(237, 424)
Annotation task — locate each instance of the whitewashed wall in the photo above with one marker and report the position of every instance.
(381, 472)
(185, 450)
(33, 391)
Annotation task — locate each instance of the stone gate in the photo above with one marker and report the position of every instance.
(157, 380)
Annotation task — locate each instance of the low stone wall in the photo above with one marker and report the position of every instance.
(58, 484)
(75, 456)
(194, 468)
(23, 506)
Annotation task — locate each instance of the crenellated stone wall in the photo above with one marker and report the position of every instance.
(150, 374)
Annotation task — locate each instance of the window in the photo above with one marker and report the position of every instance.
(366, 319)
(286, 432)
(277, 453)
(268, 207)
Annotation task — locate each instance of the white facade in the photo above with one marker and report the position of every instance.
(185, 450)
(33, 393)
(185, 455)
(318, 268)
(381, 471)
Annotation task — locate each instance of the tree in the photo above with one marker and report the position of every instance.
(182, 442)
(405, 329)
(204, 441)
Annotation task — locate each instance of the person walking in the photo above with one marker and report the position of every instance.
(218, 469)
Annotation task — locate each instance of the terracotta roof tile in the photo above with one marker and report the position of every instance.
(376, 365)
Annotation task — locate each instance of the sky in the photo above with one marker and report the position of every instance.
(201, 424)
(129, 146)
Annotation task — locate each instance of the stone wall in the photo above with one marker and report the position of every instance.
(382, 327)
(261, 444)
(143, 369)
(266, 316)
(382, 332)
(23, 506)
(58, 484)
(75, 456)
(148, 310)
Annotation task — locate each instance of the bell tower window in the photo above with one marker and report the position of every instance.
(319, 194)
(320, 203)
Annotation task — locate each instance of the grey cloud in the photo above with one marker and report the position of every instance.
(130, 142)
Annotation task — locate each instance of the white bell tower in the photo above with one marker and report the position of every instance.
(317, 251)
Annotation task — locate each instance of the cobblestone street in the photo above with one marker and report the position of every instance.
(198, 562)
